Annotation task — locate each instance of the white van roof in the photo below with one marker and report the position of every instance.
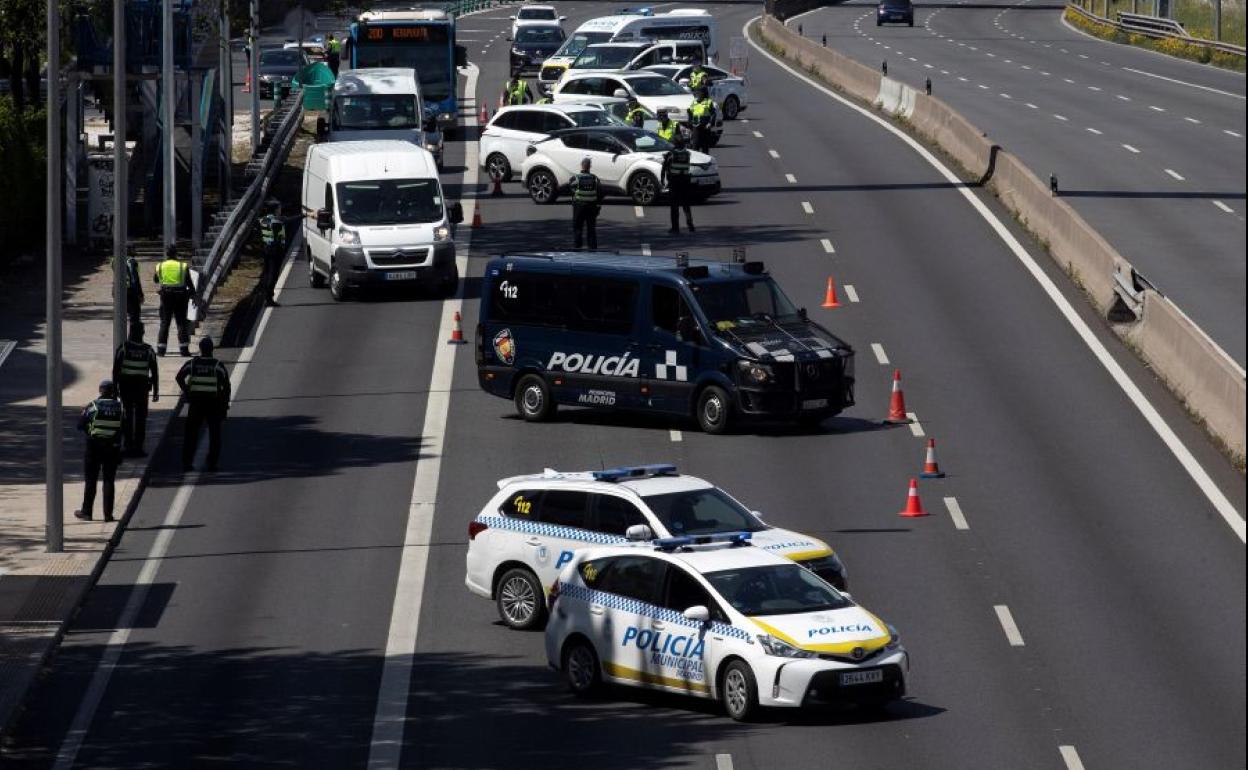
(614, 24)
(377, 80)
(408, 14)
(687, 12)
(375, 159)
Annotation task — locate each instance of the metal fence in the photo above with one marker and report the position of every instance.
(1156, 27)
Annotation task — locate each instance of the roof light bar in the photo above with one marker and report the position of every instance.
(682, 541)
(635, 472)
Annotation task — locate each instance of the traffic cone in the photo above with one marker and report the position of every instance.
(931, 468)
(476, 216)
(914, 506)
(457, 331)
(247, 82)
(829, 296)
(485, 115)
(897, 402)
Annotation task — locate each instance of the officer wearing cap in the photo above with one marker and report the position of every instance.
(273, 238)
(101, 420)
(515, 90)
(678, 176)
(173, 275)
(636, 115)
(586, 200)
(698, 78)
(206, 386)
(136, 374)
(702, 118)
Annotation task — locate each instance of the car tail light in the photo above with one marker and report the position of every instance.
(475, 528)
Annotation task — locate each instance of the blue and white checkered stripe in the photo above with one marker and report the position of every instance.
(636, 607)
(550, 530)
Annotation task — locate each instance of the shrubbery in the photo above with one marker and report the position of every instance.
(23, 169)
(1170, 46)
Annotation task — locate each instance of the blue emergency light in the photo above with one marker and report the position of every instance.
(682, 541)
(635, 472)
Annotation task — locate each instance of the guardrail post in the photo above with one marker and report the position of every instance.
(1217, 20)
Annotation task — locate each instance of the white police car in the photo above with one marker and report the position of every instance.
(716, 617)
(530, 529)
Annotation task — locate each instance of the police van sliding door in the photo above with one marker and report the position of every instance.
(598, 359)
(671, 352)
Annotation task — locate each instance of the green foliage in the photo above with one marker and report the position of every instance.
(23, 169)
(1171, 46)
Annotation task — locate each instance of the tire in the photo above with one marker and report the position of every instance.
(533, 399)
(520, 600)
(732, 106)
(498, 163)
(714, 410)
(315, 279)
(543, 187)
(337, 289)
(738, 691)
(582, 672)
(879, 23)
(643, 188)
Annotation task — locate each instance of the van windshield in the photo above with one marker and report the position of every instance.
(390, 202)
(376, 111)
(604, 57)
(575, 44)
(743, 304)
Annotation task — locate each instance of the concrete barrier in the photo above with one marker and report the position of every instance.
(896, 98)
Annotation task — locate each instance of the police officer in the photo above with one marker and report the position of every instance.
(206, 386)
(586, 197)
(702, 118)
(273, 236)
(677, 174)
(101, 420)
(698, 78)
(333, 53)
(134, 291)
(174, 278)
(636, 114)
(516, 90)
(668, 129)
(136, 374)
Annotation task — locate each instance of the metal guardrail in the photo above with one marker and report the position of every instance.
(1155, 27)
(1138, 22)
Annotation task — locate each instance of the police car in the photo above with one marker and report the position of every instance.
(532, 527)
(716, 617)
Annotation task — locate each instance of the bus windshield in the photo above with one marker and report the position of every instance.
(432, 62)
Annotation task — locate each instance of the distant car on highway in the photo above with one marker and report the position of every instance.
(514, 129)
(894, 12)
(314, 48)
(278, 66)
(533, 44)
(531, 13)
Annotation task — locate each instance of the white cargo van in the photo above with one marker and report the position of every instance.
(374, 216)
(380, 103)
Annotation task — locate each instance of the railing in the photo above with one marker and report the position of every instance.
(1138, 22)
(1155, 27)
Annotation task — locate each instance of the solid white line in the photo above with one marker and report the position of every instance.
(639, 212)
(1175, 174)
(791, 179)
(645, 249)
(1184, 83)
(386, 744)
(880, 356)
(809, 209)
(723, 762)
(1008, 625)
(758, 134)
(916, 427)
(1094, 131)
(1137, 398)
(773, 153)
(1224, 207)
(676, 435)
(1192, 120)
(1071, 758)
(1131, 149)
(827, 245)
(1155, 108)
(955, 513)
(851, 292)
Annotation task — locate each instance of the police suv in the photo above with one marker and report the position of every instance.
(716, 617)
(531, 528)
(714, 339)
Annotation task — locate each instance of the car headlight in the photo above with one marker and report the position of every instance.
(894, 638)
(441, 233)
(517, 52)
(445, 117)
(755, 373)
(773, 646)
(348, 237)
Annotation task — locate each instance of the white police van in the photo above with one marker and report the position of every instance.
(530, 529)
(715, 617)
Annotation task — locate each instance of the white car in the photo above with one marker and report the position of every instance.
(716, 617)
(627, 161)
(652, 90)
(528, 13)
(727, 90)
(533, 526)
(514, 129)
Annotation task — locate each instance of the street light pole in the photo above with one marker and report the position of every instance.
(120, 186)
(254, 37)
(54, 528)
(168, 83)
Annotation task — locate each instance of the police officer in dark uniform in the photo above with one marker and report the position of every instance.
(134, 291)
(273, 236)
(676, 172)
(101, 420)
(636, 115)
(586, 200)
(333, 53)
(206, 385)
(136, 374)
(174, 278)
(702, 119)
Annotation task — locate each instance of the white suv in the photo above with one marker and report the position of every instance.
(513, 130)
(532, 527)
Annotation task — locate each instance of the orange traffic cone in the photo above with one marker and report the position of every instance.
(457, 331)
(897, 402)
(476, 216)
(485, 115)
(829, 297)
(931, 468)
(914, 506)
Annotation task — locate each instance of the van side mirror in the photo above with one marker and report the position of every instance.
(639, 532)
(456, 213)
(697, 613)
(324, 219)
(461, 56)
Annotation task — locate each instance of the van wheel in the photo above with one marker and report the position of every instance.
(581, 672)
(497, 166)
(714, 410)
(337, 289)
(739, 692)
(533, 400)
(521, 603)
(315, 279)
(731, 108)
(543, 187)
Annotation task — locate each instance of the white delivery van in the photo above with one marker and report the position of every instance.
(380, 103)
(374, 216)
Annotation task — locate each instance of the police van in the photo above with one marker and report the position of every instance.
(715, 340)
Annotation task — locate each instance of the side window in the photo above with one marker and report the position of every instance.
(553, 121)
(521, 505)
(593, 571)
(634, 577)
(528, 120)
(609, 87)
(573, 87)
(510, 120)
(603, 306)
(602, 143)
(614, 515)
(667, 307)
(575, 141)
(684, 591)
(527, 298)
(564, 508)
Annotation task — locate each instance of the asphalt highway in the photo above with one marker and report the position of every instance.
(263, 633)
(1148, 148)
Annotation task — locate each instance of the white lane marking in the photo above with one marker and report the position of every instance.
(790, 178)
(1129, 148)
(880, 356)
(993, 55)
(639, 212)
(645, 249)
(1060, 117)
(1042, 72)
(676, 435)
(1175, 174)
(1095, 131)
(773, 153)
(913, 59)
(6, 347)
(1185, 83)
(1071, 758)
(1032, 106)
(962, 78)
(1155, 108)
(955, 513)
(1232, 133)
(983, 86)
(1192, 120)
(809, 209)
(1083, 56)
(928, 66)
(1026, 67)
(1124, 98)
(851, 292)
(944, 72)
(758, 134)
(1137, 398)
(389, 719)
(745, 120)
(827, 245)
(1006, 96)
(916, 427)
(1094, 88)
(1224, 207)
(723, 762)
(1008, 625)
(1068, 80)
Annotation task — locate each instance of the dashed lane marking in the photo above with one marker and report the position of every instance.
(1129, 148)
(1094, 88)
(773, 153)
(1008, 625)
(1192, 120)
(809, 209)
(955, 513)
(1124, 98)
(676, 435)
(880, 356)
(1232, 133)
(723, 762)
(916, 427)
(1155, 108)
(1175, 174)
(1071, 758)
(1060, 117)
(1006, 96)
(639, 212)
(758, 134)
(851, 292)
(1032, 106)
(1095, 131)
(827, 245)
(790, 178)
(1224, 207)
(645, 249)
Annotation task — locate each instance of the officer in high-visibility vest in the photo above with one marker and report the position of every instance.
(586, 200)
(702, 118)
(206, 385)
(273, 237)
(516, 90)
(174, 278)
(636, 115)
(333, 53)
(678, 176)
(134, 291)
(136, 374)
(668, 129)
(698, 78)
(101, 421)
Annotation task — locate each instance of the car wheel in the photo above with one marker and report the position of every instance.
(543, 187)
(643, 188)
(315, 279)
(714, 410)
(581, 672)
(879, 23)
(732, 106)
(337, 287)
(497, 165)
(738, 691)
(533, 400)
(521, 604)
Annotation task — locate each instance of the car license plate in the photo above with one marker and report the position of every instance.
(815, 403)
(403, 275)
(862, 677)
(705, 180)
